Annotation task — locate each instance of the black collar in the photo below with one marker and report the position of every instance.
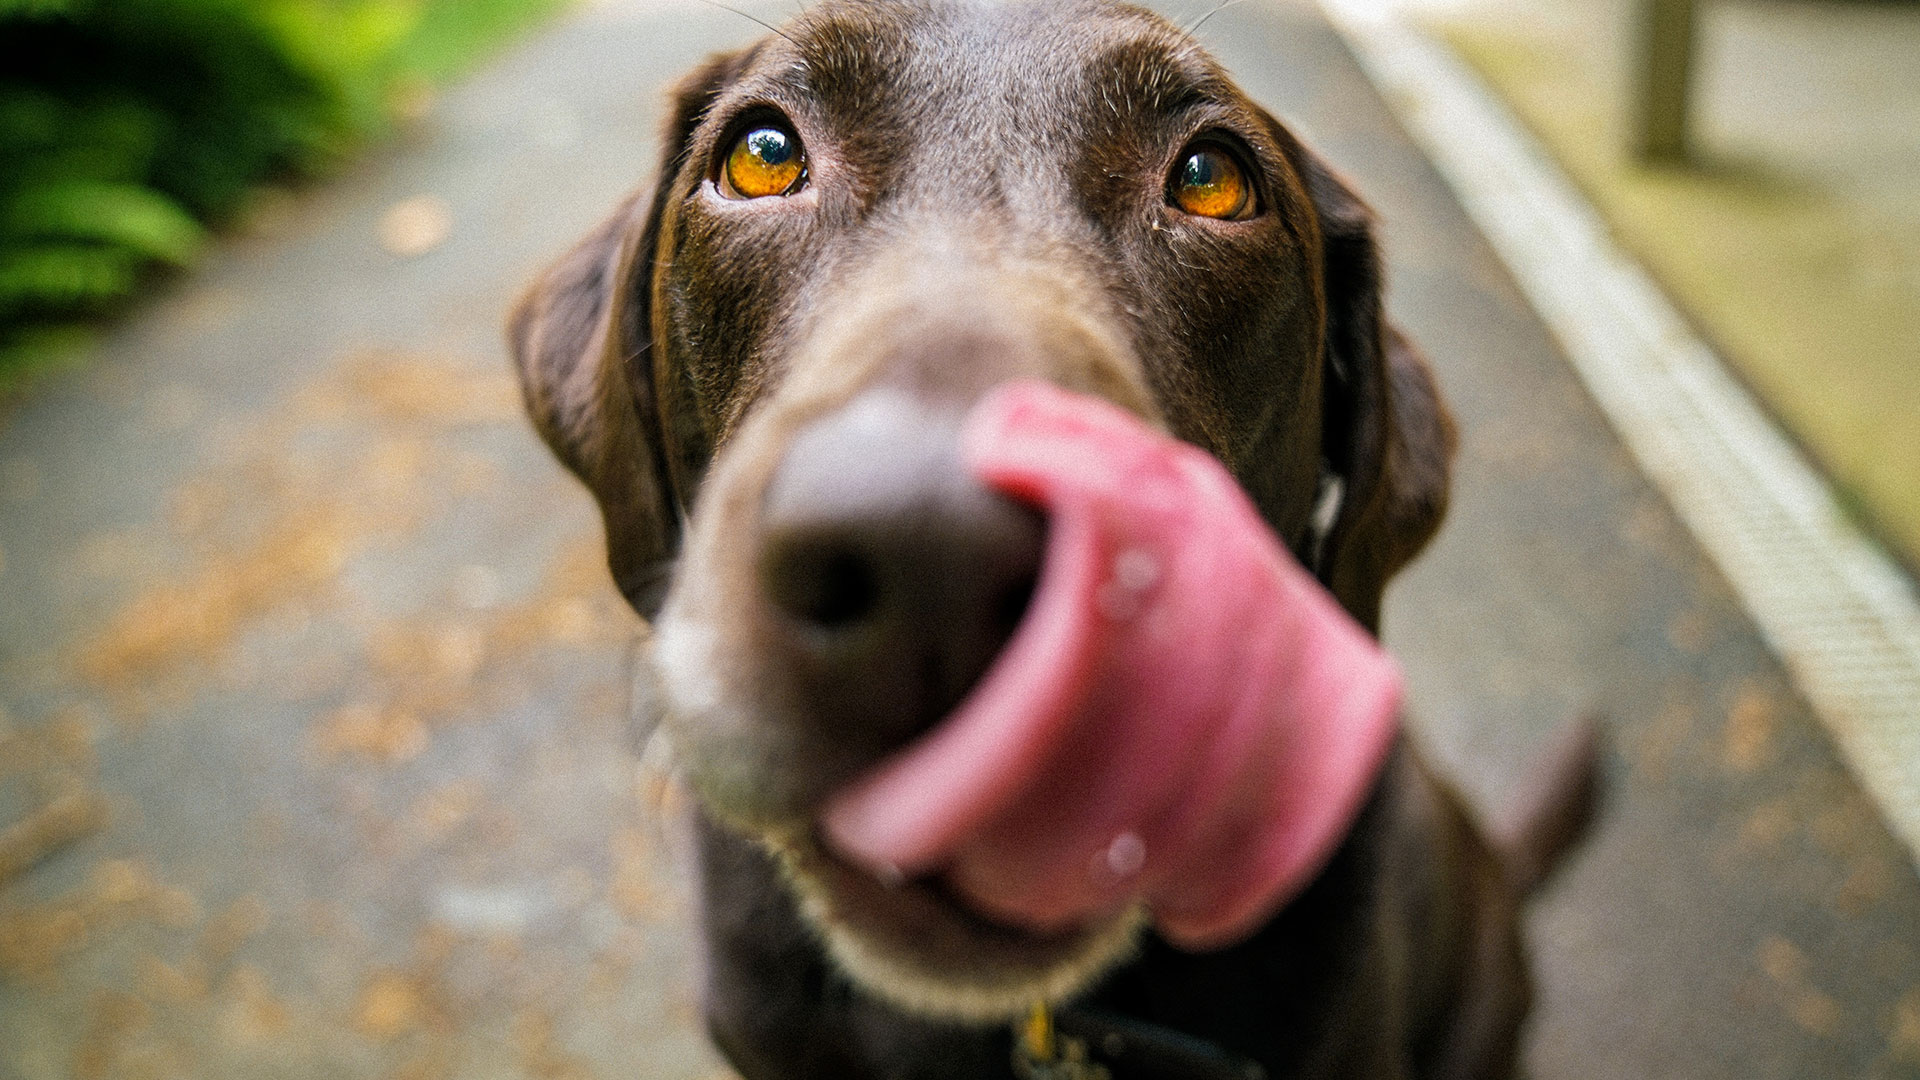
(1136, 1050)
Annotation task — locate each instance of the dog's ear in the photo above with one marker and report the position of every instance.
(582, 339)
(1386, 436)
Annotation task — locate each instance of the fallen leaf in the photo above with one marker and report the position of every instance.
(62, 822)
(389, 1006)
(1816, 1013)
(1748, 736)
(392, 735)
(413, 227)
(1782, 960)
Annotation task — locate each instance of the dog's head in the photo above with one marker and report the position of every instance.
(861, 225)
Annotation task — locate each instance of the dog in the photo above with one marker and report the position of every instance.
(862, 224)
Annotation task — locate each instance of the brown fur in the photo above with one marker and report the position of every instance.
(987, 203)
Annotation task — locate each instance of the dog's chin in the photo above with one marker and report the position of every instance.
(915, 945)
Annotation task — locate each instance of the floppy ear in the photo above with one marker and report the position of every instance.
(1387, 438)
(582, 339)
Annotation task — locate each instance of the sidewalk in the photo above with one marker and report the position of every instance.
(288, 583)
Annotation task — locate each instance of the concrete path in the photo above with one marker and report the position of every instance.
(305, 643)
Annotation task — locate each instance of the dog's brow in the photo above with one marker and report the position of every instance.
(845, 56)
(1149, 76)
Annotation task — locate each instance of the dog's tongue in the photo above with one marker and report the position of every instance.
(1184, 716)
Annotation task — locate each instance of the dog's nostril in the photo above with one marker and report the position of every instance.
(826, 583)
(1011, 605)
(848, 591)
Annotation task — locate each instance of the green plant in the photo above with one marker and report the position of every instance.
(128, 128)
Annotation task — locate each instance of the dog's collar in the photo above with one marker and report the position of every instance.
(1113, 1047)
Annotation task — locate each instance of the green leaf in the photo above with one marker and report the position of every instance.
(135, 218)
(38, 9)
(30, 352)
(64, 277)
(30, 117)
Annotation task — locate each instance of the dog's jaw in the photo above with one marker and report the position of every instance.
(908, 942)
(912, 944)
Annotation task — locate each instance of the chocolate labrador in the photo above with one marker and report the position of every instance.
(863, 223)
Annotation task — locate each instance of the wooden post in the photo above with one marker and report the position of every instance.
(1666, 77)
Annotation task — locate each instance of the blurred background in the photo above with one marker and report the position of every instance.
(314, 753)
(129, 128)
(1763, 160)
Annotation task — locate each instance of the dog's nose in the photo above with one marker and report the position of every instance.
(893, 577)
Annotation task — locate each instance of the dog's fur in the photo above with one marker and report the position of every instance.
(987, 200)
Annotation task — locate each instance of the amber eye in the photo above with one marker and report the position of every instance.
(1209, 183)
(764, 161)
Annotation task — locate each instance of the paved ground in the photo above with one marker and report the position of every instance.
(289, 593)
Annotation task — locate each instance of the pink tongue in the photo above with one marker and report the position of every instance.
(1184, 716)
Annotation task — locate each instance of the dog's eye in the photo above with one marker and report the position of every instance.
(764, 161)
(1208, 182)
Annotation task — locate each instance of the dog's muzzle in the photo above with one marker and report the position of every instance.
(891, 578)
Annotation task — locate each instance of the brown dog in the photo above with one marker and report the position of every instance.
(862, 224)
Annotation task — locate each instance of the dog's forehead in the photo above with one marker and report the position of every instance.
(973, 63)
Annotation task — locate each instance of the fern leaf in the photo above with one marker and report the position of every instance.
(34, 9)
(64, 277)
(125, 215)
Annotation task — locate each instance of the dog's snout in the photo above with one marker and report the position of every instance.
(892, 577)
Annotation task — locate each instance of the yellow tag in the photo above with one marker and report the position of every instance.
(1039, 1054)
(1036, 1036)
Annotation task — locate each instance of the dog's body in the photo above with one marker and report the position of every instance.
(988, 192)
